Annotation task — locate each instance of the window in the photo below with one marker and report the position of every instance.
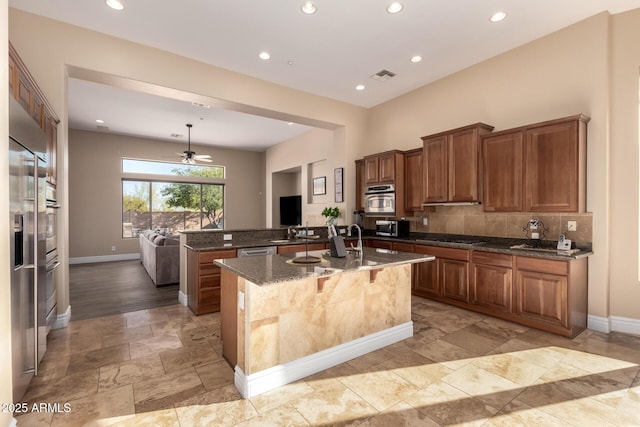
(192, 202)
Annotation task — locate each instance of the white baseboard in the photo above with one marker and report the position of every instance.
(614, 323)
(183, 298)
(103, 258)
(62, 319)
(277, 376)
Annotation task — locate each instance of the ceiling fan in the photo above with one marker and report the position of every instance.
(189, 157)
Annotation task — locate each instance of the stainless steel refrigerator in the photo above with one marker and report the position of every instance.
(27, 176)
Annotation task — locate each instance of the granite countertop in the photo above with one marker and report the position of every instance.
(476, 243)
(271, 269)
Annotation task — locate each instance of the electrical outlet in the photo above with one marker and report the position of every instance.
(572, 226)
(425, 221)
(227, 236)
(241, 300)
(310, 233)
(113, 248)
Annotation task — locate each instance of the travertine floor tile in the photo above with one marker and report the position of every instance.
(127, 335)
(490, 388)
(199, 334)
(164, 391)
(218, 414)
(469, 339)
(285, 394)
(130, 372)
(164, 418)
(101, 408)
(65, 389)
(282, 416)
(510, 367)
(97, 358)
(215, 375)
(153, 345)
(516, 413)
(398, 415)
(381, 389)
(185, 357)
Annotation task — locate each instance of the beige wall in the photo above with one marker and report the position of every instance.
(563, 74)
(623, 185)
(95, 192)
(6, 389)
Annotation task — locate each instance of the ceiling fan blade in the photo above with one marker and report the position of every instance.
(182, 154)
(204, 160)
(201, 156)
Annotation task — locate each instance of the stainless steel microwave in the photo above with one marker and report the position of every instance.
(392, 228)
(380, 200)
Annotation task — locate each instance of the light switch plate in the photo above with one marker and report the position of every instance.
(241, 300)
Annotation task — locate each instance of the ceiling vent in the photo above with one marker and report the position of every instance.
(176, 135)
(383, 75)
(197, 104)
(102, 128)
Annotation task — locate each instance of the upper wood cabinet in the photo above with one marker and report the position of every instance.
(24, 89)
(360, 185)
(502, 171)
(451, 163)
(413, 180)
(555, 166)
(384, 168)
(536, 168)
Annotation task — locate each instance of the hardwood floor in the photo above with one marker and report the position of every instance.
(103, 289)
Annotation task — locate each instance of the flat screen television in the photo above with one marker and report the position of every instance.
(291, 210)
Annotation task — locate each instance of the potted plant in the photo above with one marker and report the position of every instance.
(331, 214)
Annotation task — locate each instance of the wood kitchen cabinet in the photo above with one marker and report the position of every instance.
(24, 89)
(451, 165)
(445, 278)
(381, 244)
(502, 171)
(552, 294)
(536, 168)
(413, 180)
(360, 178)
(203, 279)
(384, 168)
(555, 165)
(491, 281)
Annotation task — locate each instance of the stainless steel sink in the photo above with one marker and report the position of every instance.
(526, 247)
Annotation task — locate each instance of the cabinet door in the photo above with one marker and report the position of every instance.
(454, 279)
(382, 244)
(402, 247)
(13, 76)
(551, 168)
(435, 171)
(413, 181)
(387, 168)
(425, 275)
(52, 149)
(502, 174)
(463, 166)
(360, 178)
(491, 287)
(288, 249)
(371, 170)
(542, 297)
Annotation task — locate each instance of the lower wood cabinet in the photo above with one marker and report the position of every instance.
(491, 282)
(203, 280)
(541, 293)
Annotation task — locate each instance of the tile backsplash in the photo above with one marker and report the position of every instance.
(472, 220)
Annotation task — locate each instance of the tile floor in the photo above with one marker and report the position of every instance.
(162, 367)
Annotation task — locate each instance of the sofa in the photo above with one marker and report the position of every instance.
(160, 256)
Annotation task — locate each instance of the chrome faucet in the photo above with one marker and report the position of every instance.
(359, 247)
(292, 232)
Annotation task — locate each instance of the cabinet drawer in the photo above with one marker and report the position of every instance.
(545, 265)
(208, 257)
(212, 281)
(382, 244)
(489, 258)
(208, 269)
(209, 296)
(440, 252)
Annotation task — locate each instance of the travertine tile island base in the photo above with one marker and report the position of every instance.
(281, 322)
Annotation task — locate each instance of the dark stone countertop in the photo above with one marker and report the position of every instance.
(271, 269)
(477, 243)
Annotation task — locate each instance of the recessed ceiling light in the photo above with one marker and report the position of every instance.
(498, 16)
(290, 123)
(264, 55)
(360, 87)
(309, 8)
(416, 58)
(99, 121)
(115, 4)
(395, 7)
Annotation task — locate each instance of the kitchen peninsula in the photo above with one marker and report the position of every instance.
(281, 322)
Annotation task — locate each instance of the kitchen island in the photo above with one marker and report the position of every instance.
(281, 322)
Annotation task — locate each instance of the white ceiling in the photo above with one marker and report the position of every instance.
(327, 53)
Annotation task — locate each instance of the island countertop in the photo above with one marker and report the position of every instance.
(270, 269)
